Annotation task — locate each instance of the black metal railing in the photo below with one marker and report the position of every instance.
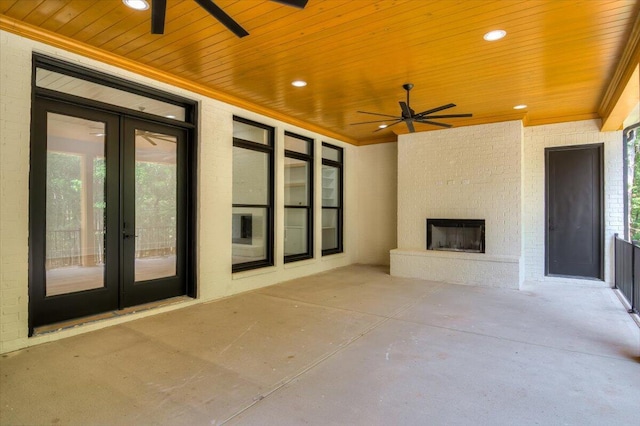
(64, 247)
(627, 271)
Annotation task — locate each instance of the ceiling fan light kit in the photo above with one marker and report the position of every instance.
(159, 11)
(409, 116)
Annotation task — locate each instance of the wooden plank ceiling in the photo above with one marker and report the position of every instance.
(558, 58)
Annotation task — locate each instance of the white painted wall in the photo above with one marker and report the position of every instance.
(215, 279)
(536, 139)
(474, 172)
(462, 173)
(377, 202)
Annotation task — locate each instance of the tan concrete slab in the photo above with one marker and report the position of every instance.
(586, 319)
(359, 288)
(410, 374)
(351, 346)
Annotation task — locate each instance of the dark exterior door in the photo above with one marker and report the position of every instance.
(109, 199)
(574, 194)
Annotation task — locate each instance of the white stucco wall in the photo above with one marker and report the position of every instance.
(215, 159)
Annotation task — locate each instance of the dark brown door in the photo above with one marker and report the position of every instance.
(574, 188)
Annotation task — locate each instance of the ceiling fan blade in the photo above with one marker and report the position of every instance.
(221, 16)
(410, 125)
(392, 124)
(440, 108)
(300, 4)
(158, 11)
(381, 115)
(148, 139)
(406, 111)
(369, 122)
(435, 123)
(447, 116)
(157, 136)
(163, 138)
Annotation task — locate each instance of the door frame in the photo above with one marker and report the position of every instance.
(547, 151)
(92, 107)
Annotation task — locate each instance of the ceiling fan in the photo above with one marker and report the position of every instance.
(154, 138)
(159, 9)
(408, 116)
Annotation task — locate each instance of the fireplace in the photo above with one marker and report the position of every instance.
(462, 235)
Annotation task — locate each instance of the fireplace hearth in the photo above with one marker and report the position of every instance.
(461, 235)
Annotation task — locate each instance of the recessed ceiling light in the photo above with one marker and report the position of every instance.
(170, 116)
(523, 106)
(137, 4)
(495, 35)
(299, 83)
(383, 126)
(99, 134)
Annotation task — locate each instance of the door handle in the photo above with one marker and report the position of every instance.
(125, 235)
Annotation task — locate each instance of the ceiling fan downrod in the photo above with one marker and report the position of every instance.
(407, 87)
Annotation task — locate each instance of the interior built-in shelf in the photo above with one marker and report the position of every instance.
(329, 187)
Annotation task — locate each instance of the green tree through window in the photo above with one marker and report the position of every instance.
(633, 148)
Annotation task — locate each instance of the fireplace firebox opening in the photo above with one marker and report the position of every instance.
(464, 235)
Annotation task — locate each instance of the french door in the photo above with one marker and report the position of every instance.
(108, 212)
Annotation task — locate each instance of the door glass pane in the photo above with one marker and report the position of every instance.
(329, 229)
(75, 204)
(99, 92)
(155, 205)
(249, 234)
(330, 186)
(295, 231)
(296, 185)
(250, 176)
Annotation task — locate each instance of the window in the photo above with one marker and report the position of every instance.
(332, 215)
(298, 197)
(252, 220)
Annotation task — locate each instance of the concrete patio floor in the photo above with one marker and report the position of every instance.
(353, 346)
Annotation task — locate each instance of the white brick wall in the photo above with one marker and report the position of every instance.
(214, 275)
(476, 162)
(15, 106)
(377, 201)
(536, 139)
(462, 173)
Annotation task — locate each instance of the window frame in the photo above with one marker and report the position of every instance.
(340, 208)
(268, 149)
(308, 158)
